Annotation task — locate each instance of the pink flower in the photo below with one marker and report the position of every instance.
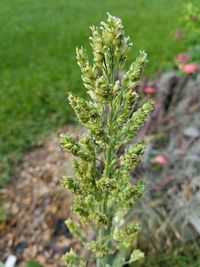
(150, 90)
(189, 68)
(160, 159)
(182, 57)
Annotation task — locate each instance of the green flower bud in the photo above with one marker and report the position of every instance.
(98, 46)
(70, 259)
(99, 219)
(131, 194)
(127, 234)
(82, 263)
(106, 184)
(86, 173)
(79, 209)
(116, 88)
(130, 100)
(112, 31)
(136, 255)
(82, 59)
(132, 155)
(133, 75)
(103, 91)
(89, 73)
(85, 111)
(99, 135)
(98, 249)
(68, 143)
(137, 120)
(74, 228)
(88, 144)
(69, 183)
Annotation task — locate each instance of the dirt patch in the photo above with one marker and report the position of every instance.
(37, 205)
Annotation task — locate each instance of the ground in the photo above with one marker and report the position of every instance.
(37, 206)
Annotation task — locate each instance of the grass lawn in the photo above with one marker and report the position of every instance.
(37, 59)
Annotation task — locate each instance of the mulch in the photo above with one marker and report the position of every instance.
(37, 206)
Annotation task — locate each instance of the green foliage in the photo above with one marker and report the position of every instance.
(33, 264)
(191, 24)
(37, 60)
(104, 196)
(185, 256)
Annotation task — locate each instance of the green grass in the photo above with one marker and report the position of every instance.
(37, 59)
(187, 255)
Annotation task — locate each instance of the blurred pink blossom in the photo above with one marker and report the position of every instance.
(160, 159)
(182, 57)
(189, 68)
(150, 90)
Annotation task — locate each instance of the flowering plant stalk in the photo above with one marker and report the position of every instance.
(103, 190)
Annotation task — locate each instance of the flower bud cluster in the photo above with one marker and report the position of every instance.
(98, 249)
(99, 219)
(103, 90)
(85, 111)
(71, 259)
(89, 116)
(80, 207)
(88, 144)
(109, 36)
(136, 255)
(132, 155)
(89, 73)
(130, 100)
(69, 183)
(136, 121)
(128, 97)
(68, 143)
(106, 185)
(102, 185)
(74, 228)
(131, 194)
(133, 75)
(127, 234)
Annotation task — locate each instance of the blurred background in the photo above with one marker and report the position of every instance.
(37, 69)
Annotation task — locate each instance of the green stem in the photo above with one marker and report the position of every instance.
(103, 233)
(108, 158)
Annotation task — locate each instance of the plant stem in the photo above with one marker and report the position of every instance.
(108, 158)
